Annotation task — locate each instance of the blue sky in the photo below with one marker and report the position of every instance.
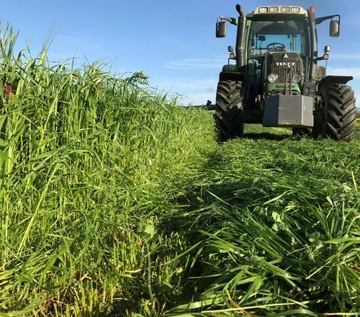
(173, 42)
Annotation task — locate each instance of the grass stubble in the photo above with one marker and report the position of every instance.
(114, 201)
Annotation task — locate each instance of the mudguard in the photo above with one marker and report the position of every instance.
(331, 79)
(234, 76)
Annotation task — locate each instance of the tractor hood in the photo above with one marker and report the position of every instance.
(283, 73)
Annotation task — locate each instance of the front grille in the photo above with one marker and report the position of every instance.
(284, 64)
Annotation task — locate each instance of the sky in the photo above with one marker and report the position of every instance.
(172, 42)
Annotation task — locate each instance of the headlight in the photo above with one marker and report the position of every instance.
(272, 78)
(273, 9)
(297, 78)
(285, 9)
(263, 10)
(295, 9)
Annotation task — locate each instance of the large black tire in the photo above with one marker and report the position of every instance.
(336, 119)
(229, 110)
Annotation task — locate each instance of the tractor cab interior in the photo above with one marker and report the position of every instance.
(265, 36)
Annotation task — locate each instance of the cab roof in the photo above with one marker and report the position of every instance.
(278, 10)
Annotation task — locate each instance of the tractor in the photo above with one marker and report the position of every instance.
(273, 77)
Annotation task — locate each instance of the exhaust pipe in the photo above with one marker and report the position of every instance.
(240, 38)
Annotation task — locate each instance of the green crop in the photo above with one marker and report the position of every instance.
(114, 201)
(279, 229)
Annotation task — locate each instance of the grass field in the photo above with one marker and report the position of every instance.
(116, 202)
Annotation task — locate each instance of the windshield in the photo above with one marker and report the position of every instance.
(289, 36)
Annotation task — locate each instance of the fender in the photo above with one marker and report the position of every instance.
(336, 79)
(234, 76)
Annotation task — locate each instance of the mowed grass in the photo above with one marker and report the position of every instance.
(278, 221)
(114, 201)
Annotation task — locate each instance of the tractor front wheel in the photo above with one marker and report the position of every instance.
(229, 110)
(337, 116)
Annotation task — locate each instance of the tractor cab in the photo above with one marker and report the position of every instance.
(277, 50)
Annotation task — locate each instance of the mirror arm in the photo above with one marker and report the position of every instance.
(325, 57)
(229, 19)
(328, 17)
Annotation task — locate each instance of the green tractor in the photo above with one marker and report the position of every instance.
(273, 77)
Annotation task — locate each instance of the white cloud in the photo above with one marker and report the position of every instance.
(197, 99)
(188, 91)
(345, 56)
(344, 71)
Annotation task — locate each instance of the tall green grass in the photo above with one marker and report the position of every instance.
(88, 163)
(114, 201)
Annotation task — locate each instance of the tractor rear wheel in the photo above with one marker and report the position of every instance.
(229, 110)
(337, 117)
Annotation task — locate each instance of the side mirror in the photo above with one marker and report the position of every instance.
(334, 28)
(221, 29)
